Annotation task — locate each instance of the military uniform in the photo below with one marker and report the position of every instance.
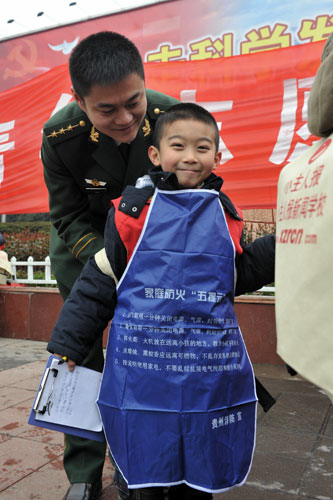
(83, 171)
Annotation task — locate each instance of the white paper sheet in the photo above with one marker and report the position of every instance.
(70, 397)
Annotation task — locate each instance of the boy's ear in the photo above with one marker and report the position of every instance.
(217, 159)
(78, 99)
(154, 156)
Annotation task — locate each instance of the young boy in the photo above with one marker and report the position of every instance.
(177, 399)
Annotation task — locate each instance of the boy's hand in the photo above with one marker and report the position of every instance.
(70, 362)
(71, 365)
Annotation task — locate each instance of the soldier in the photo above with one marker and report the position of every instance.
(91, 150)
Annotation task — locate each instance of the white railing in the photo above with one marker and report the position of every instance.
(267, 289)
(30, 264)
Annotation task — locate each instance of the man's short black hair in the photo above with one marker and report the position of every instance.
(103, 58)
(184, 111)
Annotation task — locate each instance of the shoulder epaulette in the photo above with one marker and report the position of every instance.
(157, 104)
(67, 129)
(154, 110)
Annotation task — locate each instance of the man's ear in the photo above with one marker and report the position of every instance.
(217, 159)
(154, 156)
(78, 100)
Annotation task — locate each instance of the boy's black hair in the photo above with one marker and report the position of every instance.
(184, 111)
(103, 58)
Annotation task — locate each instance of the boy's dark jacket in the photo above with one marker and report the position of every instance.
(92, 300)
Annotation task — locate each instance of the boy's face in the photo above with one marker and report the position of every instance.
(116, 110)
(187, 148)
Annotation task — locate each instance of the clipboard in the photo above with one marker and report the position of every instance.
(43, 401)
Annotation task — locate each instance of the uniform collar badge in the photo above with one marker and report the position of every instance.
(146, 129)
(94, 135)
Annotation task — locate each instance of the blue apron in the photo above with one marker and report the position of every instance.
(177, 397)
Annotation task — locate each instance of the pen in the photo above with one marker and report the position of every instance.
(62, 360)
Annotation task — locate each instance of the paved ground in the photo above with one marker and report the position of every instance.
(293, 458)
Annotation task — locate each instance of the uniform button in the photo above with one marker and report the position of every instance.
(157, 111)
(134, 209)
(82, 123)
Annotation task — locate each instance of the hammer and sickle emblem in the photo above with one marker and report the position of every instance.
(27, 64)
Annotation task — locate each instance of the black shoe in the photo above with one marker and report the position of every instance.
(84, 491)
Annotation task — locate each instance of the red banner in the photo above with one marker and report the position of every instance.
(162, 32)
(259, 101)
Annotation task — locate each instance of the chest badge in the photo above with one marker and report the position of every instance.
(95, 182)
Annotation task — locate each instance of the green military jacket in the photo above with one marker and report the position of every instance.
(83, 171)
